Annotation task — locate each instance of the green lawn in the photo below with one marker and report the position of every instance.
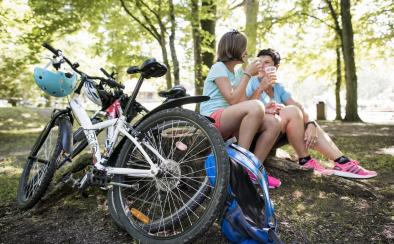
(309, 208)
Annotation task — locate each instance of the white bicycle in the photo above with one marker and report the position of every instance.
(156, 166)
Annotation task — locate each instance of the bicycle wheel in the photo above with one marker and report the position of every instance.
(180, 213)
(112, 209)
(39, 168)
(178, 204)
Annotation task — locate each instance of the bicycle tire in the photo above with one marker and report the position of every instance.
(193, 204)
(45, 173)
(218, 192)
(112, 209)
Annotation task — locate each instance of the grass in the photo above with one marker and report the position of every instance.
(310, 209)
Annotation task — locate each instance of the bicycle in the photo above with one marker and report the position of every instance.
(160, 187)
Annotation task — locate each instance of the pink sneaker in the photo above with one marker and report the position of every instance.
(273, 182)
(352, 169)
(314, 165)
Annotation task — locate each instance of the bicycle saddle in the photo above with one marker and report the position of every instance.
(175, 92)
(150, 68)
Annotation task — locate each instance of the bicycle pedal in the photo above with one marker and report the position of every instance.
(86, 180)
(69, 179)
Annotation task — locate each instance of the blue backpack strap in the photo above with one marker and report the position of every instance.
(254, 165)
(246, 194)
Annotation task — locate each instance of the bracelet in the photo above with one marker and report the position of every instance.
(310, 122)
(247, 75)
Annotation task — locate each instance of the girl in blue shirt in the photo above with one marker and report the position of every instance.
(301, 133)
(234, 113)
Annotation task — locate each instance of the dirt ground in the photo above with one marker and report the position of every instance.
(309, 208)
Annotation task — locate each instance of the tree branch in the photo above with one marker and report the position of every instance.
(334, 15)
(238, 5)
(147, 19)
(152, 32)
(151, 10)
(317, 18)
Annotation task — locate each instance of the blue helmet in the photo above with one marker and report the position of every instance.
(57, 83)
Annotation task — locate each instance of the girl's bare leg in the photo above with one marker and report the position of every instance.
(270, 129)
(292, 124)
(245, 117)
(326, 146)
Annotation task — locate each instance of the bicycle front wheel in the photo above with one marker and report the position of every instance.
(180, 203)
(39, 168)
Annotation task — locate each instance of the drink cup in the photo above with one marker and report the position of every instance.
(270, 70)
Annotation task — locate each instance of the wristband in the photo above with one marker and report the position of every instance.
(310, 122)
(247, 75)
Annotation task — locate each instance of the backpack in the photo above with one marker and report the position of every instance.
(249, 214)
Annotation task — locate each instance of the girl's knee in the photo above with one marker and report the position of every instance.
(272, 123)
(292, 111)
(256, 107)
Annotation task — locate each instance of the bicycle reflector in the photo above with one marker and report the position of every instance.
(139, 215)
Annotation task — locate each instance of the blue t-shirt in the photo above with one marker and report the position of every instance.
(217, 100)
(280, 94)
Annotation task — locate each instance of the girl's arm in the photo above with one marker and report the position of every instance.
(238, 94)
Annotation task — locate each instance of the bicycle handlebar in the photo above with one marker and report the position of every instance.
(50, 48)
(105, 72)
(110, 81)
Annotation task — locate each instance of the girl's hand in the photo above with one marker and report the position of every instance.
(253, 68)
(273, 108)
(264, 83)
(272, 77)
(270, 72)
(310, 137)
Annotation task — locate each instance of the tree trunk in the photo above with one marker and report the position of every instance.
(208, 24)
(195, 22)
(251, 10)
(165, 60)
(350, 66)
(175, 62)
(338, 85)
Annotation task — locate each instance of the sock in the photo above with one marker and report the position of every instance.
(342, 160)
(303, 160)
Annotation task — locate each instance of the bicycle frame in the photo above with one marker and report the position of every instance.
(117, 126)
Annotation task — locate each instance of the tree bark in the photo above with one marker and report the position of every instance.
(165, 60)
(195, 22)
(350, 66)
(251, 9)
(208, 26)
(338, 85)
(175, 62)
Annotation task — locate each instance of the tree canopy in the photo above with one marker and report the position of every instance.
(117, 34)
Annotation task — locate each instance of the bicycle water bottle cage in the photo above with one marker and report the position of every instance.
(175, 92)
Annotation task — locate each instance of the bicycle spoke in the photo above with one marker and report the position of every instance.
(194, 159)
(194, 188)
(204, 169)
(181, 193)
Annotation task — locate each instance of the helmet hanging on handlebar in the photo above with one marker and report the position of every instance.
(55, 83)
(90, 90)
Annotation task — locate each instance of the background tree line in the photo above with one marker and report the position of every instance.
(126, 32)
